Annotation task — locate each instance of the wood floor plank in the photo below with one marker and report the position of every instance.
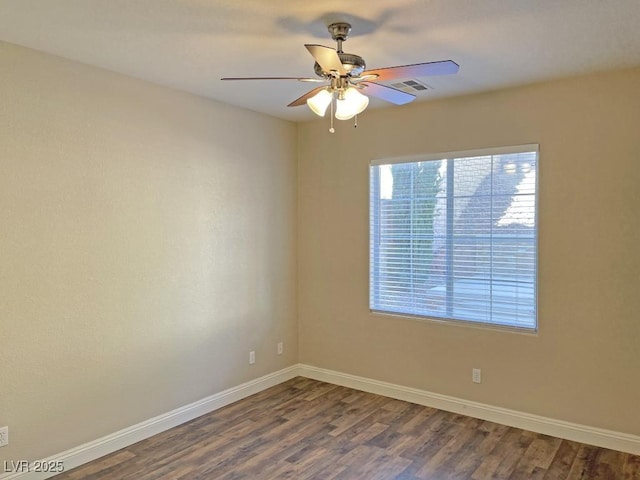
(538, 456)
(438, 464)
(583, 463)
(309, 430)
(501, 460)
(563, 460)
(631, 469)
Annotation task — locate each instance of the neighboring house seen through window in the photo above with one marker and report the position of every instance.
(454, 236)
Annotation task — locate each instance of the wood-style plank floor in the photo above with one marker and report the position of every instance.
(304, 429)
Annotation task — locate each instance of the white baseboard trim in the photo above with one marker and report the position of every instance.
(558, 428)
(103, 446)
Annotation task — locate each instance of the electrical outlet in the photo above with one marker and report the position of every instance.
(280, 348)
(4, 436)
(476, 375)
(252, 357)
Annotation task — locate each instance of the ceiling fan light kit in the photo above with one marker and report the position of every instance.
(350, 103)
(320, 102)
(347, 76)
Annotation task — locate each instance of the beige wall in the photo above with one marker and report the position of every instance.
(147, 243)
(584, 365)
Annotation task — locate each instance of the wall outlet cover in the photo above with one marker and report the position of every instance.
(4, 436)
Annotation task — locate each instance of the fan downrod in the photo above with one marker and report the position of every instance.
(339, 32)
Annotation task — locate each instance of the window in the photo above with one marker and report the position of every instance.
(454, 236)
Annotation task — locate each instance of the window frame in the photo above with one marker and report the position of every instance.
(439, 156)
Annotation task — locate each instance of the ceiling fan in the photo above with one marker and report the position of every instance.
(346, 79)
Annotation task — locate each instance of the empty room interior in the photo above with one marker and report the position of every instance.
(319, 240)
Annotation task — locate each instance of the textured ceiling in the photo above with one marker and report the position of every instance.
(191, 44)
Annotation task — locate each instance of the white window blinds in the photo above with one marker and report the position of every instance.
(455, 237)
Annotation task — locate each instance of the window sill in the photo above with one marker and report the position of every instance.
(460, 323)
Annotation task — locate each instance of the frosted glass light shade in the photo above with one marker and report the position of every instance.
(351, 104)
(320, 102)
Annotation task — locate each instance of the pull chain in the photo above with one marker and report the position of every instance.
(332, 130)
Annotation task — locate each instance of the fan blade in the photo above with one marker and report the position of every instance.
(445, 67)
(327, 58)
(389, 94)
(303, 99)
(276, 78)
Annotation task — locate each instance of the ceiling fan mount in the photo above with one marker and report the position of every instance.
(339, 31)
(346, 76)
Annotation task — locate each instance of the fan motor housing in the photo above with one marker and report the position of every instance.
(353, 64)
